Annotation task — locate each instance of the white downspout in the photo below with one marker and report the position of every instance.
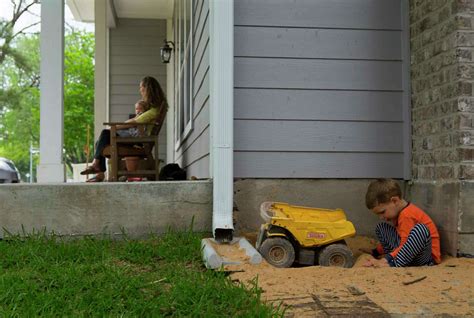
(221, 45)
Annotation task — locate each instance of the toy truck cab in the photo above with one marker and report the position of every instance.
(306, 235)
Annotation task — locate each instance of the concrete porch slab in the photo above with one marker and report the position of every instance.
(138, 208)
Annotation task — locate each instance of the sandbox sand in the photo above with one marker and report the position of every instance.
(314, 291)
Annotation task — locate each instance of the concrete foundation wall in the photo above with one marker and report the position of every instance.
(346, 194)
(451, 206)
(90, 209)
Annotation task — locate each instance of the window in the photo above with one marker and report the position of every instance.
(183, 69)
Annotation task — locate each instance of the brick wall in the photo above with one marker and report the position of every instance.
(442, 75)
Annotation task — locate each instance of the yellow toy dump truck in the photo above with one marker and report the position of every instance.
(304, 235)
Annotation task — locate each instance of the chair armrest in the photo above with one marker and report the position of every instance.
(124, 123)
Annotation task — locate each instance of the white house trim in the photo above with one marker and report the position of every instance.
(406, 99)
(111, 15)
(51, 167)
(101, 67)
(170, 131)
(221, 45)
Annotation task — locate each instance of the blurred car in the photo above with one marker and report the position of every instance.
(8, 172)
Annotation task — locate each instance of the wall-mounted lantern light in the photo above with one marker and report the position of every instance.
(166, 51)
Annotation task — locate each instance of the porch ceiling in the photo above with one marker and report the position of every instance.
(83, 10)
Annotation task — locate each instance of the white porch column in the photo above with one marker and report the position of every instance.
(51, 167)
(221, 29)
(101, 89)
(170, 125)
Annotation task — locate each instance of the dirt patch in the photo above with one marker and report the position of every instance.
(446, 289)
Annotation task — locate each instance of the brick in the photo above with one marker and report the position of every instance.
(467, 171)
(417, 144)
(414, 172)
(465, 104)
(460, 6)
(426, 158)
(427, 144)
(465, 138)
(464, 22)
(446, 156)
(426, 172)
(447, 123)
(465, 55)
(466, 120)
(464, 38)
(466, 154)
(444, 172)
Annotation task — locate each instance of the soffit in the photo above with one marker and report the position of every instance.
(83, 10)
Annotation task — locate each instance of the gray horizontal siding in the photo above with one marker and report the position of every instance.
(133, 78)
(126, 50)
(135, 53)
(269, 135)
(199, 136)
(316, 105)
(193, 154)
(320, 164)
(353, 14)
(318, 89)
(317, 43)
(199, 168)
(318, 74)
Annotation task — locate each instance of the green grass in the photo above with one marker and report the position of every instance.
(160, 276)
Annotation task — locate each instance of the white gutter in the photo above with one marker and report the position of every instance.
(221, 45)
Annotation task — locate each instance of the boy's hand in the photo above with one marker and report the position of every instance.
(372, 262)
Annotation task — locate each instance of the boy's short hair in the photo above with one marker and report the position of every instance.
(381, 191)
(144, 104)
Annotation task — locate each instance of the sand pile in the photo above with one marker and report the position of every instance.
(327, 291)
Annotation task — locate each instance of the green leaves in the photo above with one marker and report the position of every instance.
(20, 97)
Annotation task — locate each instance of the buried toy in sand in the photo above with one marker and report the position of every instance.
(303, 235)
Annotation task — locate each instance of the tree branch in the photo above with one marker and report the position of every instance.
(27, 27)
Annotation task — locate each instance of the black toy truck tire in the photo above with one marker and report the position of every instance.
(338, 255)
(278, 251)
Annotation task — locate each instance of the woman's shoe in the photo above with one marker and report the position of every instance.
(90, 170)
(98, 178)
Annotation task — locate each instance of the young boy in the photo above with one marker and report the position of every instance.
(408, 237)
(140, 107)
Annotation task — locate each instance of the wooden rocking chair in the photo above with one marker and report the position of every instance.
(144, 146)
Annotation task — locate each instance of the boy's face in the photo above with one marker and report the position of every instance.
(388, 211)
(138, 108)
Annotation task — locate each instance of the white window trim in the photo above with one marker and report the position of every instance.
(180, 70)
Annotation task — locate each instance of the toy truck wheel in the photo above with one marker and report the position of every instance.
(278, 251)
(338, 255)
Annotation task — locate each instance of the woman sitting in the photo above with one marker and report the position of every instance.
(153, 95)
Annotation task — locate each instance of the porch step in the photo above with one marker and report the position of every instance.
(136, 172)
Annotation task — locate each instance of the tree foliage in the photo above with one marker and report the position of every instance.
(19, 98)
